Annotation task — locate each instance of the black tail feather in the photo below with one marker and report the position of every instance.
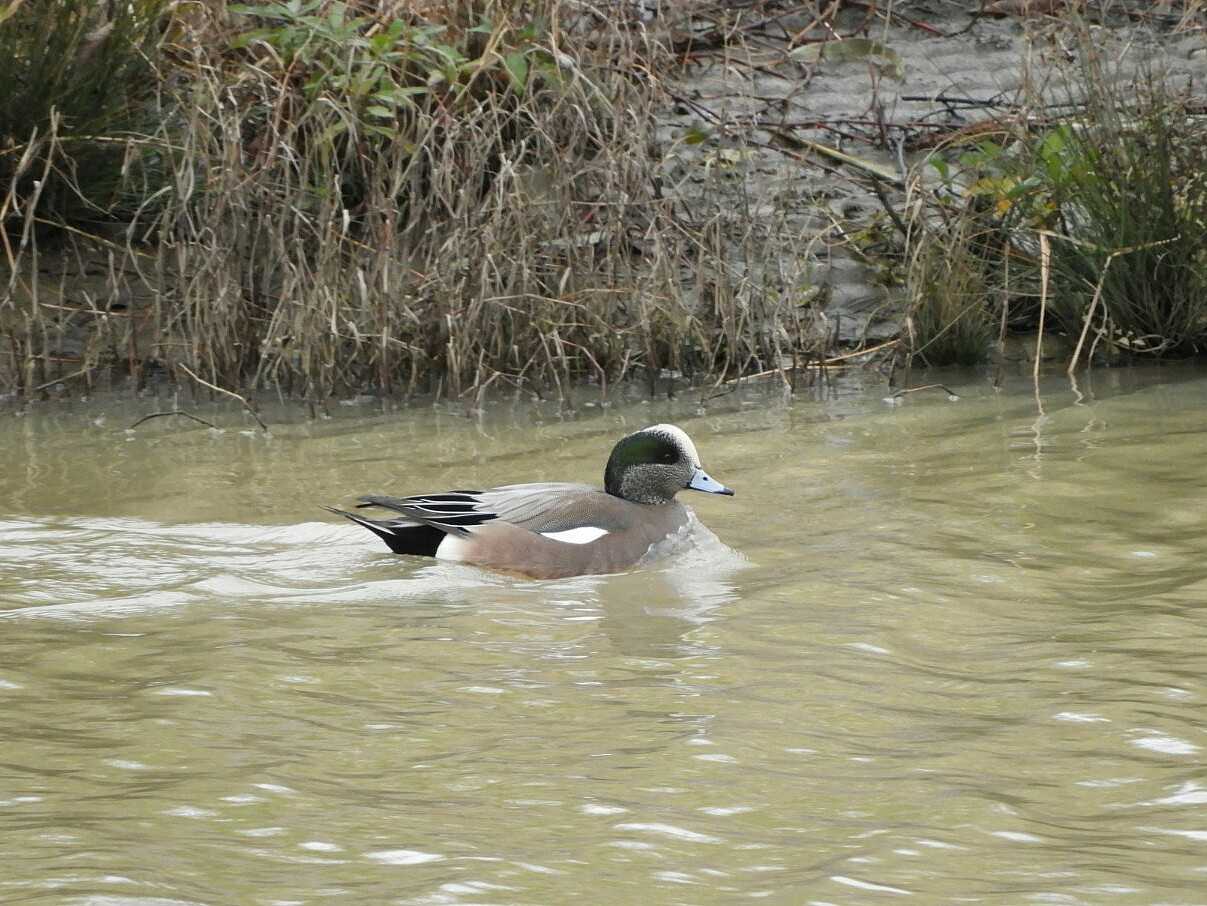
(400, 537)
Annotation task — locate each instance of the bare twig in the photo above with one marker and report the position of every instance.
(180, 412)
(807, 366)
(834, 360)
(889, 209)
(943, 387)
(872, 168)
(230, 393)
(66, 377)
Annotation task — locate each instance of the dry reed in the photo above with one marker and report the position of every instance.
(340, 198)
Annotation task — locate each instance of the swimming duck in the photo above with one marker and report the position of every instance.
(553, 530)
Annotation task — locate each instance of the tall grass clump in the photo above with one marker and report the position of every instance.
(1118, 186)
(76, 77)
(949, 320)
(962, 293)
(1128, 189)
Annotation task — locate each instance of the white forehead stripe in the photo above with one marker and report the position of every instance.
(679, 436)
(584, 534)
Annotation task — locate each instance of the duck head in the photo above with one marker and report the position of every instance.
(654, 464)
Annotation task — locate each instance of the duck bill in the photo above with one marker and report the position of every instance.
(701, 482)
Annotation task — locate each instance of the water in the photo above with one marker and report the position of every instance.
(943, 652)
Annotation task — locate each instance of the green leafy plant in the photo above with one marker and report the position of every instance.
(1119, 190)
(394, 83)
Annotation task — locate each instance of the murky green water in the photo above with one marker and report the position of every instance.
(958, 652)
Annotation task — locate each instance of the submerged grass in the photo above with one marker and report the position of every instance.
(384, 197)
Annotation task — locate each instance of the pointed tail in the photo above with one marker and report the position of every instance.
(401, 537)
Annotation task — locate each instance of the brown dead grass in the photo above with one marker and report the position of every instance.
(503, 223)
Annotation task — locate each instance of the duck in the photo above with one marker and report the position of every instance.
(555, 530)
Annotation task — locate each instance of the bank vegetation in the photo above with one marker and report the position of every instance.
(1083, 216)
(318, 198)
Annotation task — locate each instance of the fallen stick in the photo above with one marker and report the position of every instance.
(824, 363)
(147, 418)
(951, 393)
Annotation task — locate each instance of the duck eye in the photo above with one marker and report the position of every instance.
(668, 456)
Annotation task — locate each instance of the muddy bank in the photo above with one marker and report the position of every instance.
(939, 69)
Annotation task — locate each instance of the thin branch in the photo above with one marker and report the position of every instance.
(943, 387)
(889, 209)
(834, 360)
(147, 418)
(807, 366)
(66, 377)
(230, 393)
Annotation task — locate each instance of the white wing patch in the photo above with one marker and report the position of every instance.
(584, 534)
